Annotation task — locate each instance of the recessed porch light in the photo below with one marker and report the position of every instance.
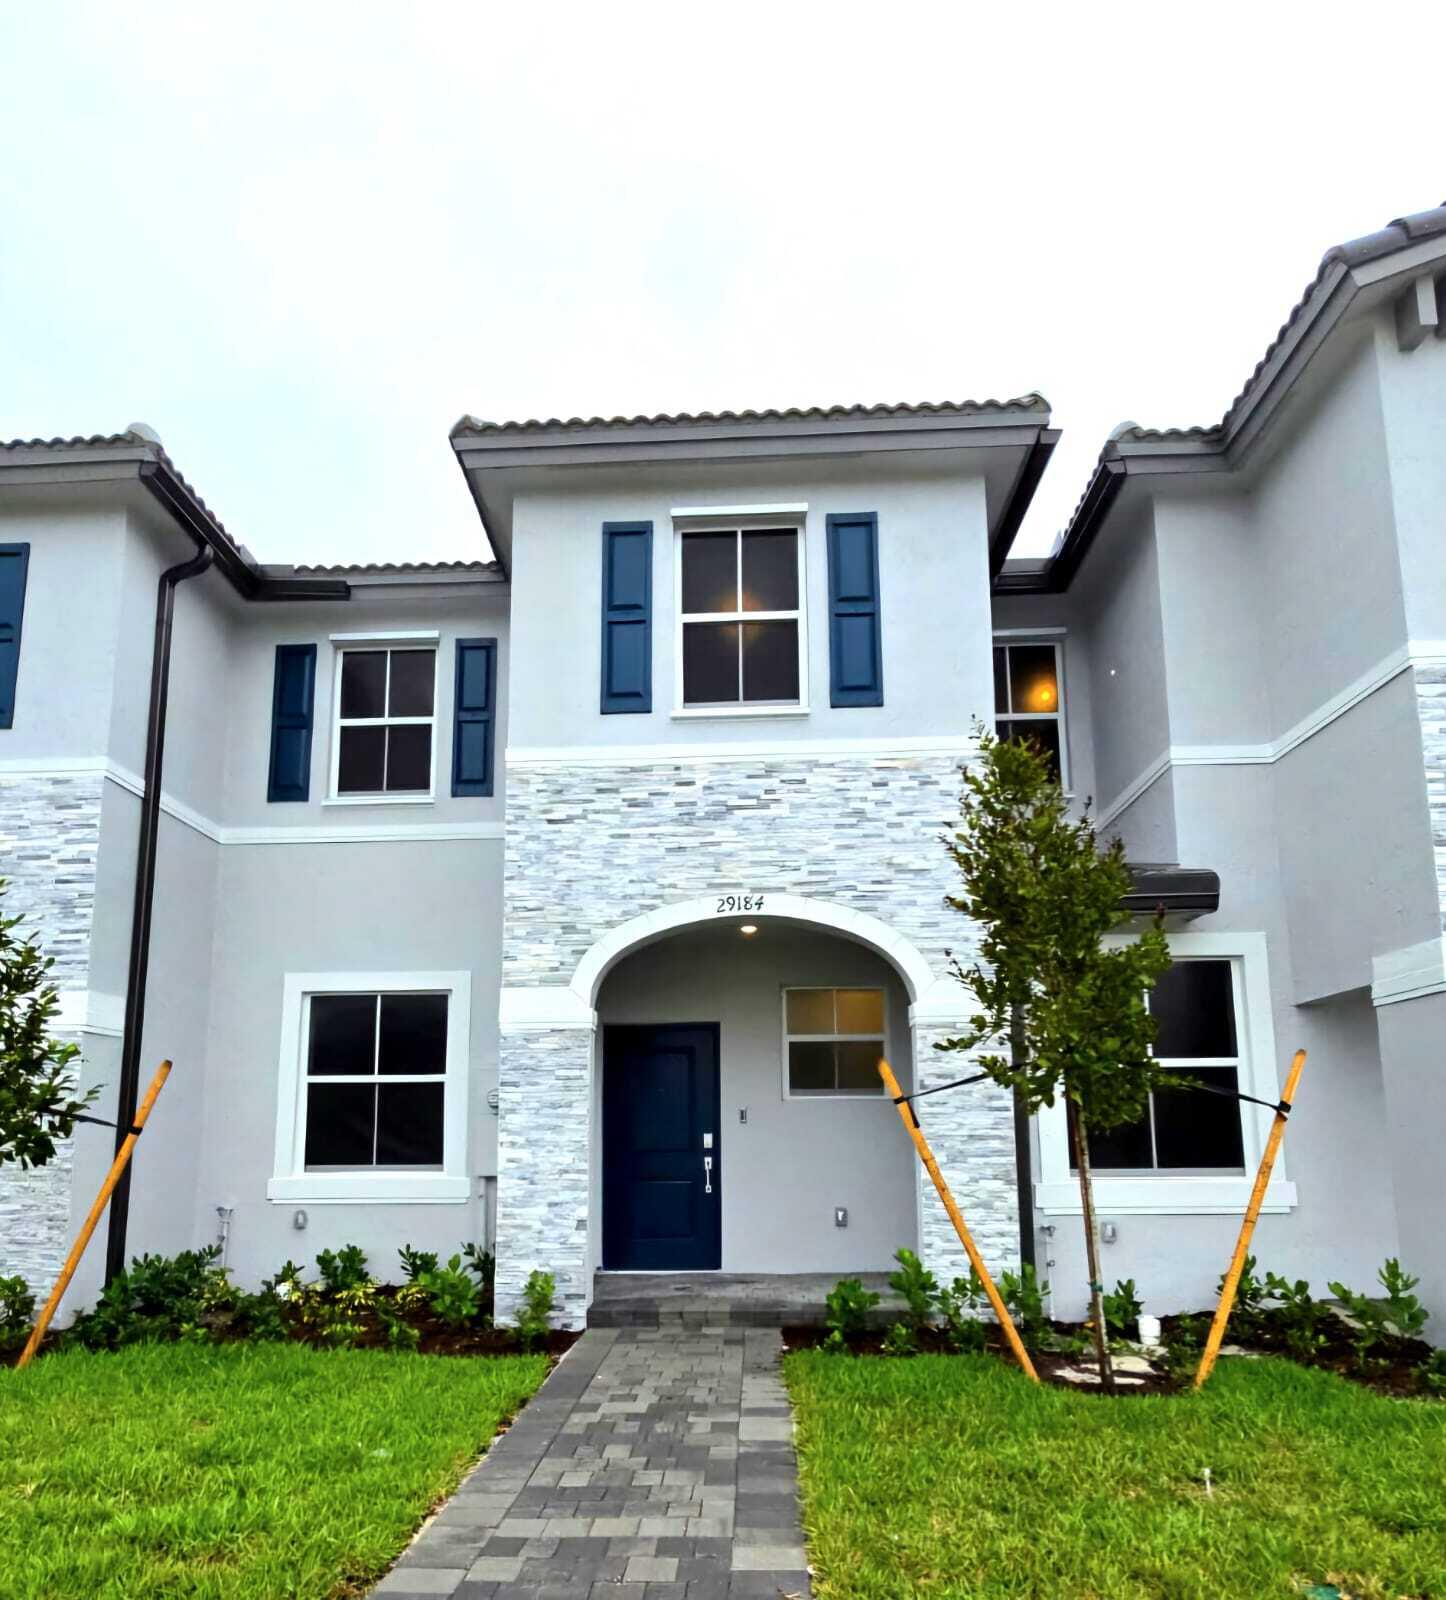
(748, 929)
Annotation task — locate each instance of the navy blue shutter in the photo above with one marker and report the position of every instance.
(14, 559)
(293, 700)
(474, 716)
(855, 635)
(627, 616)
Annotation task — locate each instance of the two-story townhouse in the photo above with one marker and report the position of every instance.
(570, 898)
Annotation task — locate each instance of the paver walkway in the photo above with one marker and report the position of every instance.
(654, 1464)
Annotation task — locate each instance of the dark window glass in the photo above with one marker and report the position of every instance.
(1044, 734)
(810, 1067)
(413, 675)
(1126, 1147)
(770, 571)
(1032, 681)
(1199, 1130)
(1001, 681)
(409, 757)
(710, 572)
(770, 661)
(710, 662)
(340, 1123)
(413, 1033)
(361, 764)
(364, 683)
(409, 1125)
(343, 1034)
(858, 1068)
(1194, 1010)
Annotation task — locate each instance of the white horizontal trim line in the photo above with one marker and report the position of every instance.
(388, 636)
(375, 833)
(534, 1010)
(1028, 633)
(379, 1188)
(736, 713)
(380, 800)
(1416, 653)
(796, 508)
(960, 744)
(1162, 1196)
(1409, 973)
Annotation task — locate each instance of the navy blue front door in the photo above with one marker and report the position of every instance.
(661, 1208)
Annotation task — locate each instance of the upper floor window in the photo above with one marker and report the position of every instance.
(386, 700)
(1027, 699)
(740, 621)
(1195, 1005)
(832, 1041)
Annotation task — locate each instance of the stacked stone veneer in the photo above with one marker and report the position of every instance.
(1431, 707)
(593, 846)
(49, 835)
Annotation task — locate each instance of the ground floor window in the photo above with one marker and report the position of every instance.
(1192, 1153)
(373, 1087)
(832, 1041)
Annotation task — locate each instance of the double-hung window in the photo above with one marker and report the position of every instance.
(832, 1041)
(740, 618)
(373, 1085)
(1027, 700)
(1195, 1007)
(386, 700)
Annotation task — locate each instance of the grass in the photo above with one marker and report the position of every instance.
(953, 1476)
(235, 1471)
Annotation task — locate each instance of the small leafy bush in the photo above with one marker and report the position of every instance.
(400, 1333)
(1402, 1307)
(1023, 1294)
(452, 1293)
(1122, 1310)
(416, 1262)
(1183, 1344)
(1248, 1317)
(960, 1305)
(260, 1316)
(916, 1287)
(1431, 1374)
(901, 1340)
(158, 1297)
(535, 1317)
(342, 1269)
(1375, 1320)
(17, 1314)
(847, 1316)
(483, 1263)
(1298, 1316)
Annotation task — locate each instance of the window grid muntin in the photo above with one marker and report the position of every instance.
(376, 1077)
(789, 1038)
(738, 615)
(388, 649)
(1007, 647)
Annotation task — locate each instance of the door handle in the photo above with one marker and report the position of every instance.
(707, 1174)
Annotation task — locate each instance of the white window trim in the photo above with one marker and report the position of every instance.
(736, 525)
(291, 1182)
(1005, 639)
(1159, 1194)
(342, 643)
(843, 1038)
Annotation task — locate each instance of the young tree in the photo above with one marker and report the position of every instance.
(1073, 1011)
(38, 1104)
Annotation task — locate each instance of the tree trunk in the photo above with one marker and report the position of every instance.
(1092, 1247)
(1023, 1163)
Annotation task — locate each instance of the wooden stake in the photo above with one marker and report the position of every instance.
(77, 1250)
(926, 1155)
(1247, 1227)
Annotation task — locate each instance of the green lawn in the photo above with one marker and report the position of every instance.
(246, 1470)
(953, 1476)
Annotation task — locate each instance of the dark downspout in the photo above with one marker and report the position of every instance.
(140, 953)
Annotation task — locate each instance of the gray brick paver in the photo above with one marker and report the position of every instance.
(622, 1478)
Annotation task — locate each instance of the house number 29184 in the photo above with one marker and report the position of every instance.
(739, 902)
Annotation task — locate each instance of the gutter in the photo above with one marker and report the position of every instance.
(1021, 495)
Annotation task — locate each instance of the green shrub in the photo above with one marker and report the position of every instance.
(401, 1335)
(1298, 1316)
(484, 1264)
(260, 1316)
(452, 1293)
(847, 1315)
(159, 1297)
(1248, 1318)
(342, 1269)
(916, 1287)
(901, 1340)
(1399, 1315)
(535, 1317)
(17, 1314)
(416, 1262)
(1023, 1294)
(1431, 1374)
(1122, 1311)
(1402, 1307)
(960, 1305)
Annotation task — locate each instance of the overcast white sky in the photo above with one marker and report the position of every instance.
(300, 240)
